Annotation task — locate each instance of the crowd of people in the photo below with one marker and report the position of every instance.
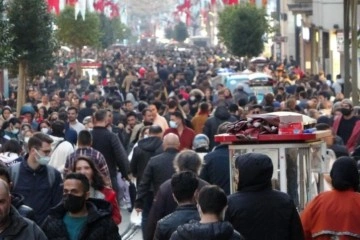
(140, 137)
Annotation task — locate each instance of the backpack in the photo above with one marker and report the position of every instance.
(14, 171)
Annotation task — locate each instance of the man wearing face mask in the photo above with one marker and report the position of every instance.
(78, 217)
(33, 178)
(178, 127)
(347, 126)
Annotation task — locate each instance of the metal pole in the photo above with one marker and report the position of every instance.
(354, 57)
(347, 85)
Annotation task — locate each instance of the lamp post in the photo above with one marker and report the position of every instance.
(354, 50)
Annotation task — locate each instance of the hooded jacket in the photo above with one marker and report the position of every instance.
(209, 231)
(216, 169)
(9, 158)
(257, 210)
(221, 115)
(21, 228)
(146, 149)
(61, 150)
(99, 224)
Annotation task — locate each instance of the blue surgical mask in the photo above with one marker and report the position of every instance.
(42, 160)
(173, 124)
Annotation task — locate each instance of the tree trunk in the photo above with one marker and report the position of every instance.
(21, 91)
(78, 60)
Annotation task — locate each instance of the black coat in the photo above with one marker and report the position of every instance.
(257, 211)
(21, 228)
(17, 201)
(164, 204)
(183, 214)
(216, 169)
(210, 231)
(211, 125)
(146, 149)
(159, 169)
(99, 224)
(109, 145)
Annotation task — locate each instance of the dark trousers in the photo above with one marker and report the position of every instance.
(148, 200)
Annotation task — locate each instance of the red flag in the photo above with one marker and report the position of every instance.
(185, 8)
(54, 6)
(111, 10)
(99, 5)
(71, 2)
(115, 11)
(231, 2)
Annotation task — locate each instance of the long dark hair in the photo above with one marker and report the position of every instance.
(97, 181)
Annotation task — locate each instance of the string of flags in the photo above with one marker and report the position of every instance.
(108, 7)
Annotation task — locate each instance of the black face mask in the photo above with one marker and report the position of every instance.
(346, 111)
(72, 203)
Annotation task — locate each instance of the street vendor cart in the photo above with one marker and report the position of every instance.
(299, 159)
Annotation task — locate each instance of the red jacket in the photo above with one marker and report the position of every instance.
(352, 142)
(332, 213)
(110, 196)
(186, 137)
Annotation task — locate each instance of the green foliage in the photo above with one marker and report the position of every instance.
(241, 29)
(180, 32)
(6, 50)
(33, 42)
(78, 32)
(169, 33)
(111, 30)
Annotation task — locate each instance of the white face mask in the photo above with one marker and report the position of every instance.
(146, 136)
(15, 131)
(26, 139)
(173, 124)
(45, 130)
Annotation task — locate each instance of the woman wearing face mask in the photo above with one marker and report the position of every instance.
(98, 188)
(27, 135)
(11, 153)
(44, 127)
(11, 129)
(6, 114)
